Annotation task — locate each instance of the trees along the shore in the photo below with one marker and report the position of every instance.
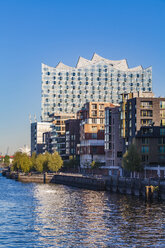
(21, 162)
(38, 163)
(72, 163)
(6, 160)
(54, 162)
(41, 163)
(131, 160)
(33, 159)
(48, 162)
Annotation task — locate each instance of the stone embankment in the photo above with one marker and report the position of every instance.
(129, 186)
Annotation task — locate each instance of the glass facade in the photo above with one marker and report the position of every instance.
(66, 89)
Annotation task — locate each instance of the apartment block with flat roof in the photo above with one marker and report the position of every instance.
(58, 132)
(38, 129)
(150, 143)
(72, 137)
(113, 141)
(92, 117)
(138, 110)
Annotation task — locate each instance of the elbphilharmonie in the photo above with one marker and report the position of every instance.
(65, 89)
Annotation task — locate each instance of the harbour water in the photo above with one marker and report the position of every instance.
(44, 215)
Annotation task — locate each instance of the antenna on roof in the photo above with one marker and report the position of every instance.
(35, 118)
(30, 118)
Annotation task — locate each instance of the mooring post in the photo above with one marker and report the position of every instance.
(45, 177)
(149, 192)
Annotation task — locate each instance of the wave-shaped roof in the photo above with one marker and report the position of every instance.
(97, 59)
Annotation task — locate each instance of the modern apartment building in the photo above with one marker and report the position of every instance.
(150, 141)
(58, 132)
(92, 117)
(47, 141)
(140, 109)
(66, 89)
(38, 129)
(113, 141)
(72, 137)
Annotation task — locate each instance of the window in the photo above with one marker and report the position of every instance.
(94, 113)
(162, 104)
(146, 104)
(94, 120)
(94, 135)
(147, 130)
(147, 113)
(162, 113)
(101, 121)
(144, 158)
(101, 106)
(144, 140)
(162, 131)
(162, 158)
(161, 141)
(144, 149)
(146, 122)
(119, 154)
(161, 149)
(94, 106)
(162, 122)
(101, 113)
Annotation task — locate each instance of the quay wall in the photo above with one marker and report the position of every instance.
(129, 186)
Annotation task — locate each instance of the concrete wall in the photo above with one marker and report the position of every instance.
(129, 186)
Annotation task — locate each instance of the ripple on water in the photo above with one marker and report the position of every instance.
(38, 215)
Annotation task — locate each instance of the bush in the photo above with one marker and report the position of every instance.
(95, 164)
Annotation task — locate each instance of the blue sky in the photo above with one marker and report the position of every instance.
(49, 31)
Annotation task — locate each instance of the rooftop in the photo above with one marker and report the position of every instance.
(95, 60)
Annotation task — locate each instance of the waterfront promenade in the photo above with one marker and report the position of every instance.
(52, 215)
(128, 186)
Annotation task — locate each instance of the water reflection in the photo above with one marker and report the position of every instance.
(37, 215)
(70, 217)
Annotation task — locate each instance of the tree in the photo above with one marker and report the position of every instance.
(1, 159)
(42, 162)
(16, 161)
(39, 163)
(22, 162)
(72, 163)
(6, 160)
(33, 159)
(131, 160)
(54, 161)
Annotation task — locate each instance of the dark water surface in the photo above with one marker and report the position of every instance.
(38, 215)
